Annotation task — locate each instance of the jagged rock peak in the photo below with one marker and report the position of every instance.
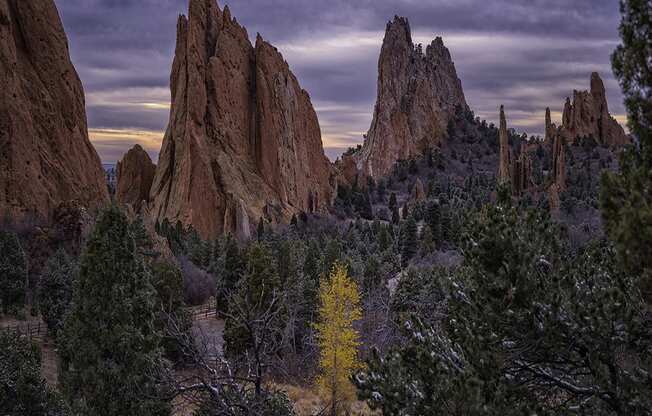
(418, 94)
(243, 140)
(46, 158)
(135, 174)
(588, 116)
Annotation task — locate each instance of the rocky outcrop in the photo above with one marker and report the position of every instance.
(521, 174)
(418, 191)
(559, 163)
(513, 169)
(504, 163)
(135, 176)
(550, 129)
(46, 158)
(588, 116)
(418, 94)
(243, 141)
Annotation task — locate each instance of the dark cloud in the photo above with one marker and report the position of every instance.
(526, 54)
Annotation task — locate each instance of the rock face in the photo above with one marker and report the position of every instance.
(418, 94)
(46, 158)
(243, 140)
(135, 176)
(588, 116)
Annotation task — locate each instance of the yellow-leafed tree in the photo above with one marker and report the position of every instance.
(338, 339)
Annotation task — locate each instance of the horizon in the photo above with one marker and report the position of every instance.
(521, 55)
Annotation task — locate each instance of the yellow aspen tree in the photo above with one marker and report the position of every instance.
(338, 340)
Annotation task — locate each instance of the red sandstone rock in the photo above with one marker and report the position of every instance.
(46, 158)
(417, 96)
(588, 116)
(135, 175)
(243, 140)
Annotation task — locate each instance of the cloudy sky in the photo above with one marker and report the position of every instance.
(525, 54)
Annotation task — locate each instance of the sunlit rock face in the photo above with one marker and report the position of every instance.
(588, 116)
(46, 158)
(243, 141)
(135, 176)
(418, 93)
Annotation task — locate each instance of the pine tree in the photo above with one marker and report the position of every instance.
(427, 241)
(626, 199)
(13, 273)
(393, 204)
(254, 294)
(410, 241)
(23, 392)
(168, 283)
(434, 221)
(55, 290)
(338, 340)
(228, 271)
(110, 347)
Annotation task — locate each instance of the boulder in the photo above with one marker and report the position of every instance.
(135, 173)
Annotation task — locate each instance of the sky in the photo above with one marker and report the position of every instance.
(525, 54)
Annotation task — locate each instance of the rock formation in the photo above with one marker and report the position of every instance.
(517, 170)
(418, 191)
(418, 95)
(504, 164)
(46, 158)
(588, 116)
(521, 174)
(559, 163)
(551, 129)
(135, 175)
(243, 140)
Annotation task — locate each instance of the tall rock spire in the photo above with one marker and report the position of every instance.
(46, 157)
(418, 94)
(243, 141)
(505, 156)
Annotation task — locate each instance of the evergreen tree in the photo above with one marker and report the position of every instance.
(55, 290)
(433, 216)
(338, 340)
(110, 347)
(23, 392)
(410, 240)
(13, 273)
(393, 204)
(256, 293)
(384, 238)
(524, 326)
(168, 284)
(626, 200)
(228, 272)
(427, 241)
